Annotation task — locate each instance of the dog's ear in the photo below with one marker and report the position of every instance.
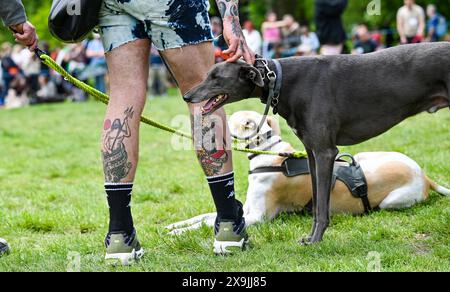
(273, 123)
(253, 74)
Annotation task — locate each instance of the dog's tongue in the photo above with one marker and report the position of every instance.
(209, 106)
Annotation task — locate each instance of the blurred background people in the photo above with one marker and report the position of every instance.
(309, 42)
(9, 70)
(158, 82)
(271, 33)
(48, 92)
(96, 63)
(219, 42)
(364, 43)
(291, 36)
(253, 37)
(330, 28)
(411, 22)
(436, 24)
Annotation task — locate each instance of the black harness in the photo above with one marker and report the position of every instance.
(350, 174)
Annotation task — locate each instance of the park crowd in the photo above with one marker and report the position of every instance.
(24, 80)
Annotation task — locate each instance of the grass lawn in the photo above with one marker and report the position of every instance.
(52, 201)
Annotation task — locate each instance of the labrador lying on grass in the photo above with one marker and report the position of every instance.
(394, 180)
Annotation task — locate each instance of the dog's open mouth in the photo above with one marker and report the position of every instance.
(214, 103)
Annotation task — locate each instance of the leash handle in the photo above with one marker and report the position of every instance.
(38, 52)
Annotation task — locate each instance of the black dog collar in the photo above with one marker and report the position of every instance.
(273, 88)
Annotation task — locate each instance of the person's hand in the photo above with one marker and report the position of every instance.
(237, 45)
(25, 34)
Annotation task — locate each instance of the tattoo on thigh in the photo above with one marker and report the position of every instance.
(115, 156)
(211, 156)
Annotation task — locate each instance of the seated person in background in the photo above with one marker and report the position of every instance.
(17, 93)
(48, 92)
(291, 32)
(364, 43)
(309, 42)
(158, 82)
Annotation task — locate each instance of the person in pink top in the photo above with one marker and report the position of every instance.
(271, 32)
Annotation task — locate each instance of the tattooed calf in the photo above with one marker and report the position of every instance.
(212, 157)
(115, 156)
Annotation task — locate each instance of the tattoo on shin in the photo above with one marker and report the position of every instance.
(115, 156)
(212, 157)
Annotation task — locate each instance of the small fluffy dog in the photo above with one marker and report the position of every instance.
(394, 180)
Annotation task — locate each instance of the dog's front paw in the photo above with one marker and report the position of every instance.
(306, 241)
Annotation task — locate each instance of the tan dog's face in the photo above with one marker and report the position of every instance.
(245, 123)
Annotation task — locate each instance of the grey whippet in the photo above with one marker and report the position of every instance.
(338, 100)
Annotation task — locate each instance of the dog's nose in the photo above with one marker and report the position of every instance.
(187, 97)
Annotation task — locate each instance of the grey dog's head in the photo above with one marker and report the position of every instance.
(226, 83)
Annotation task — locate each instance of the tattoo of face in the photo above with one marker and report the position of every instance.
(115, 156)
(211, 156)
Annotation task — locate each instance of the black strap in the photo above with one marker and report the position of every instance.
(277, 90)
(353, 177)
(267, 169)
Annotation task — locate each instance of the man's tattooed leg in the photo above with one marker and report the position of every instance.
(116, 164)
(210, 144)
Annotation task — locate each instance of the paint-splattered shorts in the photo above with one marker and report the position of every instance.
(168, 23)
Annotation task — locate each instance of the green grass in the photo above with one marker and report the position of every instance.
(52, 200)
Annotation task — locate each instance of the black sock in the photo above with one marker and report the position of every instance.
(119, 201)
(222, 190)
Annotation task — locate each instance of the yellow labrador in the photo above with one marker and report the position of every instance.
(394, 180)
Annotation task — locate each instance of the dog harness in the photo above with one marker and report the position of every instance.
(350, 174)
(272, 94)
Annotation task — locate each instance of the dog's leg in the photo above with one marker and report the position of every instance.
(324, 163)
(312, 169)
(208, 220)
(192, 221)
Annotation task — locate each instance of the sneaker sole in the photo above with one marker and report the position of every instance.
(6, 249)
(124, 259)
(228, 247)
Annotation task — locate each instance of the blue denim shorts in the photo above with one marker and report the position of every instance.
(168, 23)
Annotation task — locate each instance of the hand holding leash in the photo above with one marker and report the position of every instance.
(25, 34)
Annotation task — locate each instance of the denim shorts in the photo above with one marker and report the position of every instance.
(168, 24)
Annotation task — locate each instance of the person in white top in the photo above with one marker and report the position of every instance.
(411, 22)
(310, 42)
(253, 37)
